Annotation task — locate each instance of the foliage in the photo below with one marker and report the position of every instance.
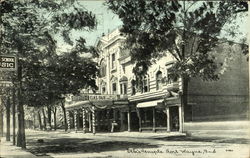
(30, 29)
(188, 30)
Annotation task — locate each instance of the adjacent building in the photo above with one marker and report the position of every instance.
(154, 104)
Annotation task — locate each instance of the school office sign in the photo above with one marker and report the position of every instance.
(8, 63)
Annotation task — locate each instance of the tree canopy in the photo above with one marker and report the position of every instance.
(188, 30)
(30, 29)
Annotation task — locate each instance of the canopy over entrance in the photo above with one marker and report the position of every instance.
(149, 103)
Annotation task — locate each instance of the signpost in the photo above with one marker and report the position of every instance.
(8, 63)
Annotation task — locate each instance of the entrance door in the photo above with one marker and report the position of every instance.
(134, 122)
(174, 118)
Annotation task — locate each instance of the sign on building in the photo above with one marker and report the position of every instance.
(93, 97)
(8, 63)
(6, 84)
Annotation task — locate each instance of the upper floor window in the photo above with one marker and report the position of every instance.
(123, 85)
(114, 89)
(133, 89)
(171, 77)
(158, 80)
(103, 68)
(145, 84)
(113, 61)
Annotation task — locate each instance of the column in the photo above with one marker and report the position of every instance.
(93, 119)
(138, 114)
(90, 122)
(168, 119)
(68, 120)
(83, 121)
(180, 119)
(122, 120)
(153, 119)
(129, 129)
(75, 120)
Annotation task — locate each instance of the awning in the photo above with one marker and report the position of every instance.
(77, 104)
(149, 103)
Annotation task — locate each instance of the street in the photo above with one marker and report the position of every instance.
(123, 144)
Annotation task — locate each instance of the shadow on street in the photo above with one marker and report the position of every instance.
(80, 145)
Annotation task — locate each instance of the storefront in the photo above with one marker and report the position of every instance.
(159, 115)
(97, 113)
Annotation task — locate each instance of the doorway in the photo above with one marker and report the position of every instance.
(174, 118)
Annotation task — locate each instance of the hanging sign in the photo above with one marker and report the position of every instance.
(8, 63)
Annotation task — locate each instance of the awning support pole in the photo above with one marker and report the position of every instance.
(180, 119)
(93, 119)
(68, 120)
(153, 119)
(168, 119)
(129, 129)
(138, 114)
(83, 121)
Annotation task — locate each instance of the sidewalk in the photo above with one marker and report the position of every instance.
(7, 150)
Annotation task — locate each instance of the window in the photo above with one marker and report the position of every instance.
(145, 84)
(125, 88)
(103, 68)
(123, 85)
(113, 61)
(158, 80)
(103, 90)
(172, 78)
(114, 88)
(133, 87)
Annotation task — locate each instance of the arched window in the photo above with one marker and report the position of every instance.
(114, 82)
(103, 68)
(123, 85)
(145, 84)
(158, 80)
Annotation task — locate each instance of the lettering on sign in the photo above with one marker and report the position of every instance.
(6, 84)
(8, 63)
(83, 97)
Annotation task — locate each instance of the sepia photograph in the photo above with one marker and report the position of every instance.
(124, 79)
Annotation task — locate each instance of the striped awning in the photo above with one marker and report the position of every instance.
(149, 103)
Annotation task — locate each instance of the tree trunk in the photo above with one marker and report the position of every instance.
(49, 117)
(44, 120)
(40, 120)
(14, 116)
(65, 117)
(21, 141)
(1, 122)
(8, 119)
(55, 125)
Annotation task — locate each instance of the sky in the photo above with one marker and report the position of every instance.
(108, 21)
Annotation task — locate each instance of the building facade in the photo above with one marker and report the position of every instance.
(153, 104)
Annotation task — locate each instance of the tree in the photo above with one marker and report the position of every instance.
(188, 30)
(28, 29)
